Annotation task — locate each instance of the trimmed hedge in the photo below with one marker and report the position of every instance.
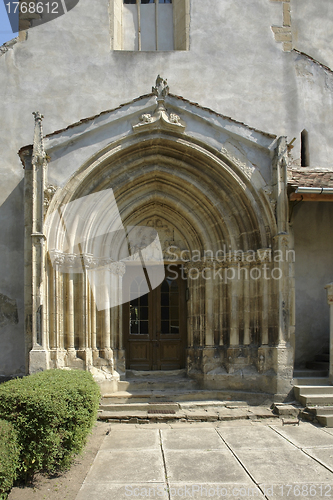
(9, 457)
(52, 412)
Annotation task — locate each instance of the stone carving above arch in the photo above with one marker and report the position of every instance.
(160, 118)
(169, 236)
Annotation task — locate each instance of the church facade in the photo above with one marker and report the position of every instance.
(177, 222)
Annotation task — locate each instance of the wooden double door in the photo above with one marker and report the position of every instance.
(155, 325)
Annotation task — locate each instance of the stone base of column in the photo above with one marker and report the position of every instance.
(284, 367)
(236, 359)
(39, 360)
(120, 362)
(265, 361)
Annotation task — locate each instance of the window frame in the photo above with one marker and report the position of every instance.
(181, 24)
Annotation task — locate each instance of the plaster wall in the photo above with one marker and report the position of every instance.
(66, 70)
(313, 229)
(312, 29)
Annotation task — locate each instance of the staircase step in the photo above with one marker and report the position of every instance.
(305, 390)
(159, 384)
(320, 410)
(133, 407)
(203, 395)
(326, 420)
(316, 399)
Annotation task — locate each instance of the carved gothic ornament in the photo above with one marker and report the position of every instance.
(49, 192)
(77, 263)
(160, 118)
(38, 154)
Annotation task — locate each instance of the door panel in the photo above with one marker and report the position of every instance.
(155, 326)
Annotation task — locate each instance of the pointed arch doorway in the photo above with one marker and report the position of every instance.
(155, 324)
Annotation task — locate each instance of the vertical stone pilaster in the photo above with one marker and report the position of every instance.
(281, 241)
(234, 309)
(209, 307)
(247, 310)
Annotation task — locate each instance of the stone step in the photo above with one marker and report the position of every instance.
(305, 390)
(286, 410)
(316, 399)
(155, 396)
(326, 420)
(158, 384)
(192, 411)
(133, 407)
(156, 374)
(320, 410)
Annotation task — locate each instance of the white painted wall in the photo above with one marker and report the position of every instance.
(234, 66)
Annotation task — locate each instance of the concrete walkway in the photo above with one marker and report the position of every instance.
(236, 460)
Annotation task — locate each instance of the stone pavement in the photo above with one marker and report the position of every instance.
(232, 459)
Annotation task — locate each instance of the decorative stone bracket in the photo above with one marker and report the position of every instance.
(160, 118)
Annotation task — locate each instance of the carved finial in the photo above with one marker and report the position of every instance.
(38, 155)
(161, 88)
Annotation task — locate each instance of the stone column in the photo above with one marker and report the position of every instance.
(70, 323)
(329, 289)
(247, 310)
(209, 307)
(283, 351)
(106, 350)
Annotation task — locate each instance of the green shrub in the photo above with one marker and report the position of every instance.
(52, 412)
(9, 457)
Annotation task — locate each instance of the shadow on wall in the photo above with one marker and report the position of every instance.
(313, 230)
(12, 357)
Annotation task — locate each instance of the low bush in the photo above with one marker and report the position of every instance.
(9, 457)
(52, 412)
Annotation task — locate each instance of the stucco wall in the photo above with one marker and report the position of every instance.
(66, 70)
(313, 229)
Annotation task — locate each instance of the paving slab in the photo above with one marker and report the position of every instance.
(283, 467)
(200, 466)
(324, 455)
(306, 435)
(328, 430)
(127, 466)
(131, 438)
(297, 491)
(192, 439)
(197, 491)
(254, 437)
(111, 491)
